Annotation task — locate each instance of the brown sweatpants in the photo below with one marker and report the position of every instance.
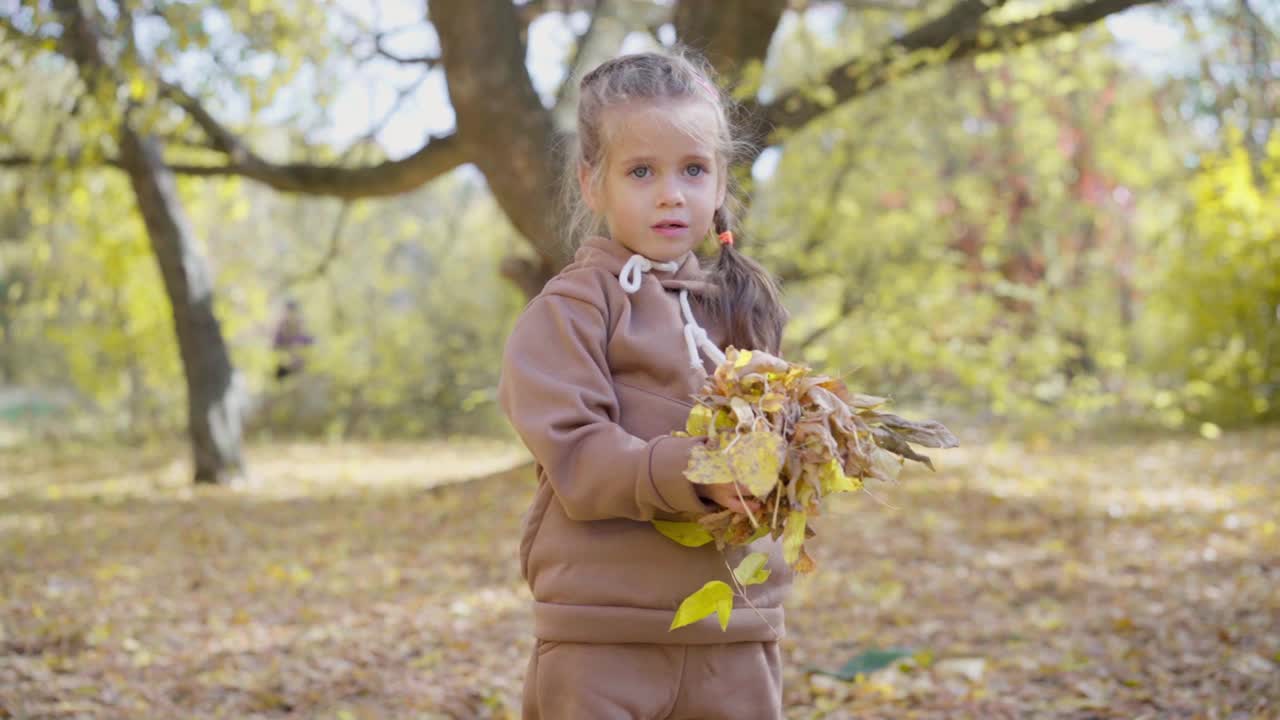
(587, 681)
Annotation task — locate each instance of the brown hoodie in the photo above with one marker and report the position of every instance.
(593, 380)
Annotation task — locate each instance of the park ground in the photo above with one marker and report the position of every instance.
(1133, 576)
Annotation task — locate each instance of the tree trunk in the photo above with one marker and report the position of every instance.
(214, 409)
(504, 127)
(213, 397)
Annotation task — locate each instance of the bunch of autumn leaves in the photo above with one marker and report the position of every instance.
(791, 438)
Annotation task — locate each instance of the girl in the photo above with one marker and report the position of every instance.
(598, 372)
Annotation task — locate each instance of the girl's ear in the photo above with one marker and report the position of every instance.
(723, 188)
(584, 184)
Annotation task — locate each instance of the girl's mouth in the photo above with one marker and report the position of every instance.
(670, 229)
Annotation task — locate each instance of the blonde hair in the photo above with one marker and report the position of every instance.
(748, 301)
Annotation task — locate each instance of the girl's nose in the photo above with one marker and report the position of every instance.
(670, 195)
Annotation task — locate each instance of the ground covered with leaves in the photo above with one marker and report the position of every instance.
(1122, 578)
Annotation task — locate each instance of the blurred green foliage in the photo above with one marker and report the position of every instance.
(1041, 235)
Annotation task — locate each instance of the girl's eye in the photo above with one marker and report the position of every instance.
(695, 170)
(640, 172)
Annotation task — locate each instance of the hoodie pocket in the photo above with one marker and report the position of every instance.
(648, 414)
(532, 522)
(653, 394)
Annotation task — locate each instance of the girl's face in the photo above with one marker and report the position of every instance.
(661, 181)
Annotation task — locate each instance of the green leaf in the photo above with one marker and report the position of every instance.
(865, 663)
(752, 570)
(793, 536)
(714, 597)
(689, 534)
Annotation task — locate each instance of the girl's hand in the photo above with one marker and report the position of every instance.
(726, 496)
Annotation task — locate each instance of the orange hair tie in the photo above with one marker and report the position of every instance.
(726, 238)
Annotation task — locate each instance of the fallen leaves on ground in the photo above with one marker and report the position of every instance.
(1087, 580)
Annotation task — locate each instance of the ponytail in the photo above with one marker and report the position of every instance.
(748, 304)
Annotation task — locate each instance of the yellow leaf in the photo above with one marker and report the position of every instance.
(752, 570)
(707, 467)
(804, 495)
(689, 534)
(756, 460)
(753, 459)
(771, 402)
(699, 422)
(714, 597)
(833, 479)
(793, 536)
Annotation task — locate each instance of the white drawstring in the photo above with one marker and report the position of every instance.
(633, 272)
(695, 336)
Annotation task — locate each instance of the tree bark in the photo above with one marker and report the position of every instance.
(213, 398)
(730, 33)
(214, 401)
(503, 125)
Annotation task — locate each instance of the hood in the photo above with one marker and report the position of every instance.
(610, 255)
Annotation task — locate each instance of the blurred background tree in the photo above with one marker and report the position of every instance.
(1054, 213)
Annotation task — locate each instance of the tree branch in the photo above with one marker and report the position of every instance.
(881, 5)
(428, 60)
(402, 94)
(957, 34)
(1259, 22)
(331, 254)
(220, 138)
(847, 304)
(436, 157)
(392, 177)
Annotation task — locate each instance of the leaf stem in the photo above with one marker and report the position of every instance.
(742, 590)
